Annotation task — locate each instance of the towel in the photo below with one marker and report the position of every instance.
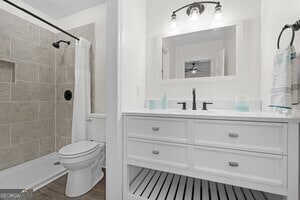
(284, 92)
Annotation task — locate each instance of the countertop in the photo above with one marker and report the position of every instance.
(215, 115)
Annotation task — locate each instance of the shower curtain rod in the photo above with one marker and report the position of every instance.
(41, 19)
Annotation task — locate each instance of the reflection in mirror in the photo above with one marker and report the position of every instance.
(208, 53)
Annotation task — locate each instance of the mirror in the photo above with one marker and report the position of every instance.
(206, 53)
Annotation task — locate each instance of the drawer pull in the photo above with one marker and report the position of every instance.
(234, 135)
(155, 128)
(233, 164)
(155, 152)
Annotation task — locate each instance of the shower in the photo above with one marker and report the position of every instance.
(56, 44)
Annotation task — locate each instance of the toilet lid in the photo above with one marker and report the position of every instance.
(78, 148)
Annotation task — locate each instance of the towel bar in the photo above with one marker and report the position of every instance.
(294, 27)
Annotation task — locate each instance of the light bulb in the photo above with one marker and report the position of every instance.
(194, 13)
(174, 23)
(218, 13)
(194, 71)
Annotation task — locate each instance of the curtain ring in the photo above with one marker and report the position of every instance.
(283, 29)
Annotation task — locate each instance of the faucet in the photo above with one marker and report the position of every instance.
(194, 99)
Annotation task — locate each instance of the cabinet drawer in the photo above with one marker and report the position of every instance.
(171, 155)
(173, 130)
(251, 136)
(255, 167)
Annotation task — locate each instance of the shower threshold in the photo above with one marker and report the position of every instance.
(33, 174)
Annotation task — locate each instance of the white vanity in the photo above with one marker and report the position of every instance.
(189, 154)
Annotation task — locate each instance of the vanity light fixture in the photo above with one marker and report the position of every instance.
(194, 10)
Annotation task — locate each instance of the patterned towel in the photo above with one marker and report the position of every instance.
(284, 92)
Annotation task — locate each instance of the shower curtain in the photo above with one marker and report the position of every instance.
(82, 91)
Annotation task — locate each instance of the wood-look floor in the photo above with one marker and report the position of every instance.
(56, 191)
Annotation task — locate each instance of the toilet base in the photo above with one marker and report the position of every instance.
(82, 181)
(78, 188)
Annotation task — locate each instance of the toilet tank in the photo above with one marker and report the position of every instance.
(96, 127)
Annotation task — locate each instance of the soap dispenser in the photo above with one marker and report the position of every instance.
(164, 102)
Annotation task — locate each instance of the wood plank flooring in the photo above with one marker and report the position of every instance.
(56, 191)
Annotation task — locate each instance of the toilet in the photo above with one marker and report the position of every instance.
(84, 160)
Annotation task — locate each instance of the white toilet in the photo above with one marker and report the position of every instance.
(84, 160)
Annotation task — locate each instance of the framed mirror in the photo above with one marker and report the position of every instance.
(210, 53)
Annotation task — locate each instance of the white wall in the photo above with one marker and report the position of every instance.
(95, 15)
(133, 53)
(275, 14)
(158, 23)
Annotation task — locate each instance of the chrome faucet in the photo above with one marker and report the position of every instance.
(194, 99)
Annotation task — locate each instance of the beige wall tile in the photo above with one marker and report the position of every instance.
(46, 110)
(18, 154)
(89, 32)
(46, 56)
(24, 132)
(61, 75)
(68, 140)
(63, 127)
(61, 110)
(46, 37)
(4, 136)
(27, 71)
(5, 44)
(47, 128)
(71, 75)
(25, 91)
(46, 146)
(46, 92)
(65, 56)
(4, 92)
(7, 70)
(60, 142)
(46, 74)
(25, 50)
(24, 111)
(69, 110)
(5, 110)
(18, 27)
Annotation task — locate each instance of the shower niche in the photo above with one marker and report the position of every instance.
(7, 72)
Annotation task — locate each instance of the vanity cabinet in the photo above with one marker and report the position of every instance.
(245, 153)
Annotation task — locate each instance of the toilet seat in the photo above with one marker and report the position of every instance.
(78, 149)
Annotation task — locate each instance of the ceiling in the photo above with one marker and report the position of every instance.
(61, 8)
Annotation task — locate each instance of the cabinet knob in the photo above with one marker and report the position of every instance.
(233, 135)
(155, 128)
(233, 164)
(89, 120)
(155, 152)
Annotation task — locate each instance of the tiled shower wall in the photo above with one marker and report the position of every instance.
(65, 61)
(27, 91)
(35, 120)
